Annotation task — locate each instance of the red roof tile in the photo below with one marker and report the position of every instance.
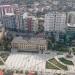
(1, 72)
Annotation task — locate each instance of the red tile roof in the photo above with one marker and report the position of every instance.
(1, 72)
(31, 73)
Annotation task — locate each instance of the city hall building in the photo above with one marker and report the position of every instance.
(29, 44)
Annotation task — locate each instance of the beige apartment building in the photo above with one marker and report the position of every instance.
(32, 44)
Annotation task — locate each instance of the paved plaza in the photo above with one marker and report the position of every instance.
(34, 62)
(28, 61)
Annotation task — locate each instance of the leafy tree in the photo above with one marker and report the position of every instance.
(40, 28)
(8, 72)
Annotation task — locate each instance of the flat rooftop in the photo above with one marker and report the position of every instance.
(71, 25)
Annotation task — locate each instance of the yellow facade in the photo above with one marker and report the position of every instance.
(30, 44)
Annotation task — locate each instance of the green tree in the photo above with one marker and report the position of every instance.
(40, 28)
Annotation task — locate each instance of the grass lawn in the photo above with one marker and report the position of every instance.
(4, 56)
(65, 61)
(73, 50)
(1, 63)
(50, 66)
(54, 61)
(63, 49)
(1, 48)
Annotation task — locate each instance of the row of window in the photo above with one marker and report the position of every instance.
(23, 46)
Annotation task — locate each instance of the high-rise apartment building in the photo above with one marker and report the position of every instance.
(30, 23)
(19, 22)
(9, 22)
(55, 21)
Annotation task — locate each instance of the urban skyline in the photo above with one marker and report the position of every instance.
(37, 37)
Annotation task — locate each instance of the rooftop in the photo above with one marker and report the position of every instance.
(1, 72)
(9, 14)
(25, 15)
(29, 40)
(71, 25)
